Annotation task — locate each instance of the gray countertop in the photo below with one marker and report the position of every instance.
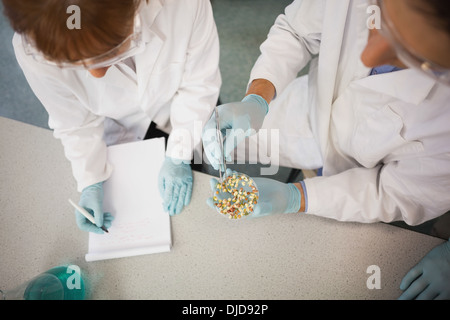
(277, 257)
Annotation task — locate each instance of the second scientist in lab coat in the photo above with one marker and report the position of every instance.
(172, 80)
(382, 139)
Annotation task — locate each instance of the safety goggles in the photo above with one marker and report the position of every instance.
(127, 48)
(407, 55)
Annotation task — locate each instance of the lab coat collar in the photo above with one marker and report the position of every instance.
(149, 11)
(408, 85)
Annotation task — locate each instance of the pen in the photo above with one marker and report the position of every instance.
(86, 214)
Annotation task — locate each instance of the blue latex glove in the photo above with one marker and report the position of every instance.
(175, 185)
(92, 200)
(430, 278)
(237, 120)
(274, 197)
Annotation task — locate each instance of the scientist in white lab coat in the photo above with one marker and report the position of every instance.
(381, 138)
(127, 66)
(373, 112)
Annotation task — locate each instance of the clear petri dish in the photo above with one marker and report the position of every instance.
(236, 197)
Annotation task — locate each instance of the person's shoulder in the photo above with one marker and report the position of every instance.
(178, 10)
(44, 72)
(26, 61)
(183, 3)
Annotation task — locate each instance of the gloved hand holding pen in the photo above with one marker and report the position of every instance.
(175, 185)
(237, 121)
(274, 197)
(92, 200)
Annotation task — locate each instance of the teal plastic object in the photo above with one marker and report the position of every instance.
(59, 283)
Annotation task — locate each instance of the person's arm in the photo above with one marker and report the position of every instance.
(79, 130)
(192, 104)
(291, 43)
(199, 89)
(262, 87)
(303, 198)
(81, 134)
(406, 190)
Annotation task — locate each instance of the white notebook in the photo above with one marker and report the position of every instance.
(131, 195)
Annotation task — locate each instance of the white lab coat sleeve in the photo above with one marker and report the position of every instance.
(291, 43)
(200, 85)
(411, 190)
(80, 131)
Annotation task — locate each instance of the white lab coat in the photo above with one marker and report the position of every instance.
(176, 85)
(383, 140)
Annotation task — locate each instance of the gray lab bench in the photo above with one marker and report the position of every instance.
(278, 257)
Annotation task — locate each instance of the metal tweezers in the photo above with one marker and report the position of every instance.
(220, 139)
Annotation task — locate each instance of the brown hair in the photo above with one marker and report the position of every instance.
(104, 25)
(438, 12)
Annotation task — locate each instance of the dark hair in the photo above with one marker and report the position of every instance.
(437, 10)
(104, 25)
